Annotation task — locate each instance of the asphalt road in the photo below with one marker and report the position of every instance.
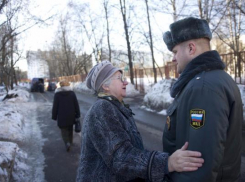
(61, 166)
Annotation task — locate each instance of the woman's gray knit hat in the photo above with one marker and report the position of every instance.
(99, 74)
(186, 29)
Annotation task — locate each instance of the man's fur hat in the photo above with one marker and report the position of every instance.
(186, 29)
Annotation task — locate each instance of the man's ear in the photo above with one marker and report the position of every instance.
(192, 48)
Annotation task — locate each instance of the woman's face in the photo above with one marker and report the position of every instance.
(117, 87)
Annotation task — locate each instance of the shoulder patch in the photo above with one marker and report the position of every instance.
(197, 118)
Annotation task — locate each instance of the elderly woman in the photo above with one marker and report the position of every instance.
(112, 148)
(65, 110)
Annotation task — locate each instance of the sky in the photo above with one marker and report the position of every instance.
(40, 37)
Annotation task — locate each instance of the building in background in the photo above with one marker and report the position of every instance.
(37, 66)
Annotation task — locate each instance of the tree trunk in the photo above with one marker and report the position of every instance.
(123, 11)
(151, 42)
(200, 8)
(107, 28)
(174, 10)
(12, 64)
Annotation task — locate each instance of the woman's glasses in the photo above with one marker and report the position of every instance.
(120, 77)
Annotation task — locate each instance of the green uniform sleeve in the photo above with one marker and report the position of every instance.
(203, 116)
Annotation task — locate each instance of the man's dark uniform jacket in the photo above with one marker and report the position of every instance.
(208, 113)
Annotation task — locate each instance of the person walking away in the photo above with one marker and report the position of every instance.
(65, 110)
(207, 109)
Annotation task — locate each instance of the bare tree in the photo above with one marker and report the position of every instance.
(151, 41)
(89, 23)
(213, 11)
(105, 4)
(11, 27)
(174, 7)
(240, 6)
(66, 58)
(205, 9)
(3, 4)
(65, 48)
(124, 16)
(230, 30)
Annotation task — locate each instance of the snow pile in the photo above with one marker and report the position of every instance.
(158, 97)
(8, 152)
(2, 95)
(11, 120)
(13, 160)
(21, 171)
(12, 166)
(81, 87)
(131, 91)
(22, 95)
(11, 123)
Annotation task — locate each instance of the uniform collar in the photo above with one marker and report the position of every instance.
(207, 61)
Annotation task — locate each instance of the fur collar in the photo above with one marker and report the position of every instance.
(205, 62)
(124, 108)
(63, 89)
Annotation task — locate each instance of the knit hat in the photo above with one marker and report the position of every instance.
(64, 83)
(99, 74)
(186, 29)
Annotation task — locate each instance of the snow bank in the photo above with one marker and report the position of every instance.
(131, 91)
(8, 153)
(11, 120)
(11, 123)
(158, 97)
(81, 87)
(21, 171)
(23, 95)
(12, 134)
(12, 165)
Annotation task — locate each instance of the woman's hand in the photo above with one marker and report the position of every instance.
(184, 160)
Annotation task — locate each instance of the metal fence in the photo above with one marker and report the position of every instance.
(72, 78)
(232, 63)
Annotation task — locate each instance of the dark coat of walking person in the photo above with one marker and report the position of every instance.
(112, 149)
(65, 111)
(207, 110)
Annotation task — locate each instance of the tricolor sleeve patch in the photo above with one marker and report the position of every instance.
(197, 117)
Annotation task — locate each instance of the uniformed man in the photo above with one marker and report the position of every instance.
(207, 109)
